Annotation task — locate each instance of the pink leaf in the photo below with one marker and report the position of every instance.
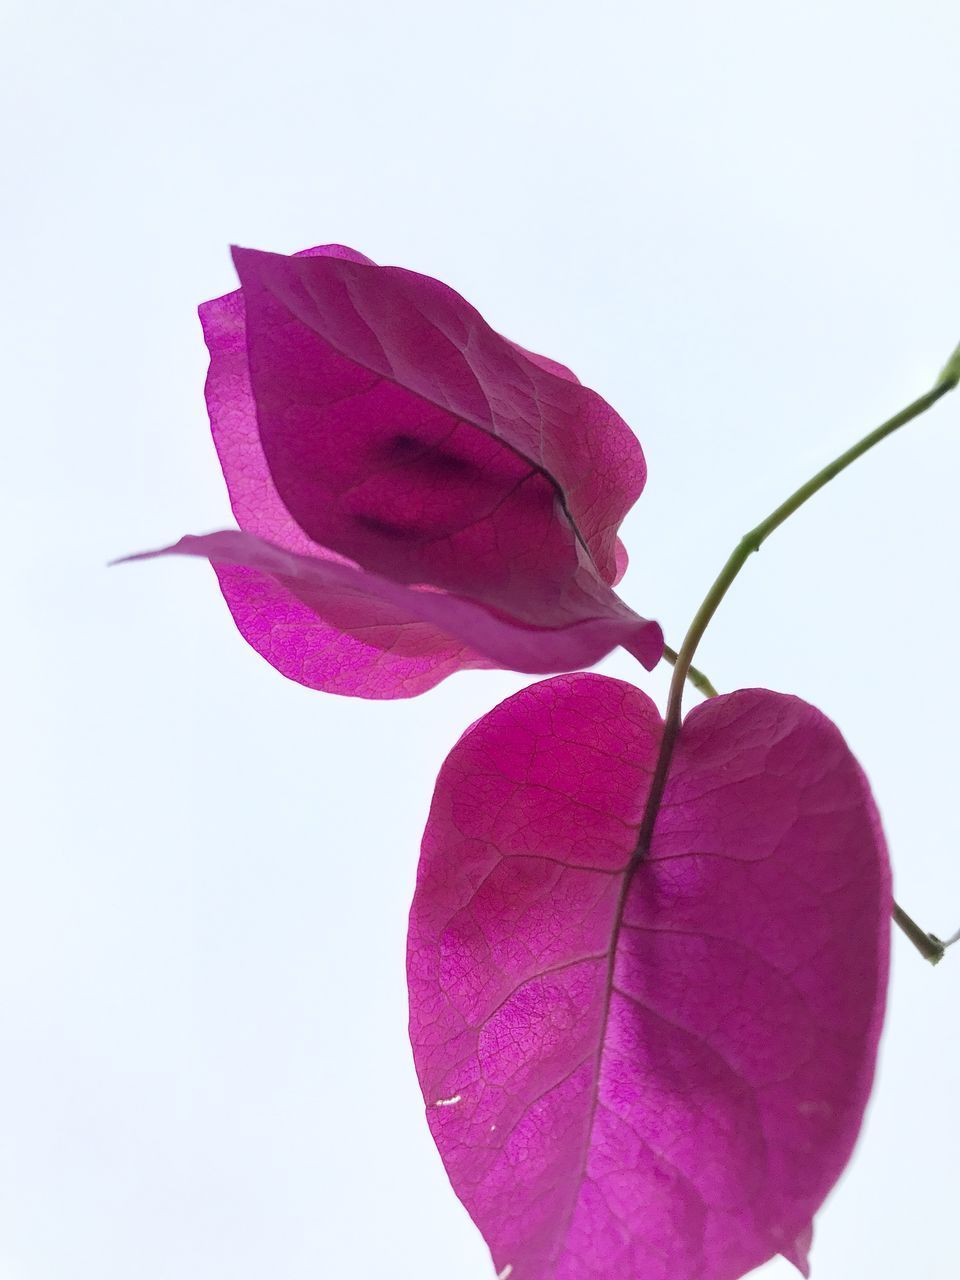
(647, 1068)
(368, 416)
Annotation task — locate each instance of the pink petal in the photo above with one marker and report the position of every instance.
(233, 418)
(551, 366)
(409, 656)
(669, 1092)
(622, 562)
(389, 653)
(376, 651)
(287, 588)
(621, 558)
(404, 433)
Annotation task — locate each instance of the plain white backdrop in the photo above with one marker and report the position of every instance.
(739, 223)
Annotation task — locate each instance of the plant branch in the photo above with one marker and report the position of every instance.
(696, 678)
(755, 539)
(930, 947)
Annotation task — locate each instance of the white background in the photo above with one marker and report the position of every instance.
(739, 223)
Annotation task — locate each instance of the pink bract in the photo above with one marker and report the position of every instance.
(416, 494)
(652, 1069)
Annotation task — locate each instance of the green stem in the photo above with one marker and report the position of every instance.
(755, 539)
(696, 678)
(928, 946)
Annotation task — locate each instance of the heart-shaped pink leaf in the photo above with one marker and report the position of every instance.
(368, 418)
(649, 1068)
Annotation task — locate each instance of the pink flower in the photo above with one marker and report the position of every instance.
(416, 495)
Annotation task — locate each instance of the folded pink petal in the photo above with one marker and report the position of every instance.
(403, 432)
(454, 503)
(409, 657)
(232, 410)
(622, 562)
(282, 588)
(650, 1068)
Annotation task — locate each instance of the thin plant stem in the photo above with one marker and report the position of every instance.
(755, 539)
(696, 678)
(930, 948)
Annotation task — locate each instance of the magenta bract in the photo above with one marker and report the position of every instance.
(416, 494)
(653, 1069)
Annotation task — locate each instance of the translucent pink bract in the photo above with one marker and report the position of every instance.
(654, 1074)
(417, 494)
